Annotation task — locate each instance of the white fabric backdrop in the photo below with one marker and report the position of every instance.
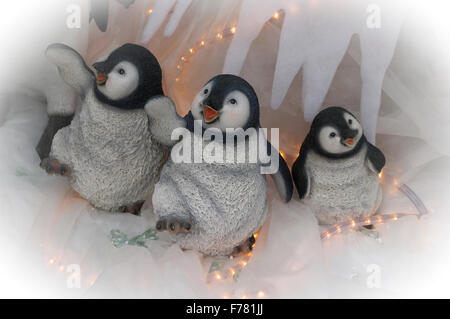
(44, 228)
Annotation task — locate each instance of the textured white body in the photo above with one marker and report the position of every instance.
(225, 202)
(341, 188)
(113, 158)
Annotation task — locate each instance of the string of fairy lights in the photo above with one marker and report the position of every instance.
(203, 43)
(231, 272)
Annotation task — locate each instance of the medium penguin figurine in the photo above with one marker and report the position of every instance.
(211, 206)
(108, 150)
(336, 172)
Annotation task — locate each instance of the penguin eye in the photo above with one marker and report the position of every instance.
(332, 134)
(233, 101)
(350, 121)
(205, 91)
(121, 71)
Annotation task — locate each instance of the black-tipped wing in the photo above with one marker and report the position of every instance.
(71, 67)
(299, 174)
(375, 158)
(282, 177)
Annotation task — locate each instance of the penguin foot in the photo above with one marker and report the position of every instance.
(54, 167)
(132, 209)
(245, 247)
(174, 225)
(369, 230)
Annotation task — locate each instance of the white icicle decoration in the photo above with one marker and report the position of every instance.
(315, 35)
(160, 13)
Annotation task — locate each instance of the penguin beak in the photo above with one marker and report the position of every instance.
(349, 142)
(209, 114)
(101, 76)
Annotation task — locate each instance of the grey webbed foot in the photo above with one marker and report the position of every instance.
(134, 209)
(174, 225)
(54, 167)
(245, 247)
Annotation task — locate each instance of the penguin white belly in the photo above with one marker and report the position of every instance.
(226, 203)
(113, 159)
(341, 188)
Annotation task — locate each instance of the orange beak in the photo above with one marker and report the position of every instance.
(349, 141)
(101, 78)
(209, 114)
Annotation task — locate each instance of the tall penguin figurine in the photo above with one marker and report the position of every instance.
(336, 172)
(215, 206)
(108, 150)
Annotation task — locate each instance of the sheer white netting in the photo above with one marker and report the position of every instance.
(300, 56)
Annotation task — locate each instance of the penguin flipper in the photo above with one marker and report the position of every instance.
(71, 67)
(163, 119)
(299, 174)
(375, 158)
(282, 177)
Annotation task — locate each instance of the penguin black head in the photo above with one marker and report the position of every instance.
(336, 133)
(226, 101)
(128, 77)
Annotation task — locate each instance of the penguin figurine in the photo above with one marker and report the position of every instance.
(108, 150)
(336, 172)
(211, 206)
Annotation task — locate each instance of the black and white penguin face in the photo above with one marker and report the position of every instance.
(226, 101)
(128, 77)
(337, 132)
(120, 82)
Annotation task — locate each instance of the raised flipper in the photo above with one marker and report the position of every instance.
(282, 177)
(299, 174)
(375, 158)
(71, 67)
(163, 119)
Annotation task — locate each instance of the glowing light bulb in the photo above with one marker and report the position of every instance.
(61, 267)
(243, 263)
(256, 235)
(380, 175)
(183, 58)
(191, 50)
(352, 222)
(149, 12)
(244, 296)
(219, 36)
(368, 221)
(232, 271)
(276, 15)
(327, 234)
(218, 276)
(51, 261)
(395, 217)
(202, 43)
(233, 30)
(178, 67)
(338, 228)
(261, 294)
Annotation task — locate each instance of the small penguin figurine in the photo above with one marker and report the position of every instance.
(216, 207)
(336, 172)
(108, 150)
